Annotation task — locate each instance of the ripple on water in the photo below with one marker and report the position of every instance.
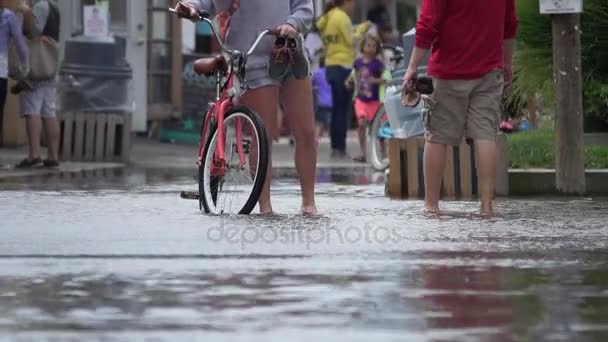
(143, 264)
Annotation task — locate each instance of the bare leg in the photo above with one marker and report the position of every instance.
(362, 137)
(434, 165)
(264, 101)
(486, 171)
(280, 122)
(319, 132)
(297, 101)
(34, 129)
(51, 127)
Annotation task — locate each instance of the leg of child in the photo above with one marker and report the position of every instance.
(360, 113)
(319, 131)
(362, 121)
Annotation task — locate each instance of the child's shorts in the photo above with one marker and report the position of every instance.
(366, 110)
(322, 115)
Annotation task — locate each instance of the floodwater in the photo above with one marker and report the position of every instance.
(119, 257)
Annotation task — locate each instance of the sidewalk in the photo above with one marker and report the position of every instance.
(151, 154)
(9, 157)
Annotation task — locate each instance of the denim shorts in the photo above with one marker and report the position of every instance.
(259, 77)
(40, 100)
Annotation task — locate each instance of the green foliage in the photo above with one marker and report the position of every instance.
(534, 56)
(594, 55)
(531, 150)
(536, 149)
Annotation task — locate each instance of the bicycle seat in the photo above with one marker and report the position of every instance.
(208, 66)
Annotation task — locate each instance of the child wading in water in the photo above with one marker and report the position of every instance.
(368, 77)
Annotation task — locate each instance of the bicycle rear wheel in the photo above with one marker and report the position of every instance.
(233, 186)
(378, 135)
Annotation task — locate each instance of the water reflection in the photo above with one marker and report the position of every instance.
(132, 261)
(406, 295)
(131, 178)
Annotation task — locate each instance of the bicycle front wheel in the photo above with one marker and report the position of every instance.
(378, 135)
(231, 183)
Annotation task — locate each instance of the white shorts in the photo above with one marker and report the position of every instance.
(40, 101)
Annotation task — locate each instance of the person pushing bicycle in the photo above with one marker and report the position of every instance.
(277, 71)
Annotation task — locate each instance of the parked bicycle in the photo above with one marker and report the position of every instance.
(233, 150)
(380, 129)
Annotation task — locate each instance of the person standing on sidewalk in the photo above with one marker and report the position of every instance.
(38, 98)
(471, 43)
(10, 30)
(340, 41)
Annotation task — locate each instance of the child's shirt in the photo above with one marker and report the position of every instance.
(366, 70)
(323, 89)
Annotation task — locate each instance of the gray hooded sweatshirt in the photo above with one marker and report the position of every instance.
(253, 17)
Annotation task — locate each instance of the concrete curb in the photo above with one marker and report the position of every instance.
(538, 182)
(64, 168)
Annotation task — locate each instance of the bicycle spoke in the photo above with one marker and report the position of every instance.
(232, 192)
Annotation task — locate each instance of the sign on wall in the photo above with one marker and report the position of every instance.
(561, 6)
(96, 21)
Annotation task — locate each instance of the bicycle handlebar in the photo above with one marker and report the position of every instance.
(204, 16)
(396, 49)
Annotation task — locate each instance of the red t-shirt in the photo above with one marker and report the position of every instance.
(465, 36)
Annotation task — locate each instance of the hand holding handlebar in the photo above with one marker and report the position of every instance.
(183, 10)
(285, 30)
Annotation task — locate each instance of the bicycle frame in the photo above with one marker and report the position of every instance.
(228, 92)
(397, 58)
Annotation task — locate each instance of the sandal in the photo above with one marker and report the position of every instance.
(360, 159)
(412, 94)
(51, 163)
(28, 163)
(281, 58)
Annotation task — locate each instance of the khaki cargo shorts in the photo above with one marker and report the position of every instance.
(460, 109)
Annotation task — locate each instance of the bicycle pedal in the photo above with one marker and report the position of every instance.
(190, 195)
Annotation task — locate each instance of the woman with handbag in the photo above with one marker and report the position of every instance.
(38, 90)
(10, 32)
(293, 88)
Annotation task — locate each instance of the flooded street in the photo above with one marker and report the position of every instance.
(120, 257)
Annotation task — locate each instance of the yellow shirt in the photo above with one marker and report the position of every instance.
(340, 39)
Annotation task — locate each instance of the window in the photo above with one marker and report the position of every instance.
(118, 15)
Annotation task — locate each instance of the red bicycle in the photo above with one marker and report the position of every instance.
(233, 150)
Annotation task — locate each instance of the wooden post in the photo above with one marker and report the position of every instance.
(567, 76)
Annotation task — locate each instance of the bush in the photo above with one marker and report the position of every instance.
(534, 56)
(536, 149)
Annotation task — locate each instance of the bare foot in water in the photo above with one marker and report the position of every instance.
(309, 211)
(487, 210)
(266, 211)
(430, 211)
